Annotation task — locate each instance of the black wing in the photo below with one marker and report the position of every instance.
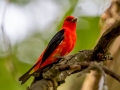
(52, 45)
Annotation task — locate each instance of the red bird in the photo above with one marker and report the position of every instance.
(60, 45)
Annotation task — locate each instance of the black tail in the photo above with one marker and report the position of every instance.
(27, 75)
(24, 77)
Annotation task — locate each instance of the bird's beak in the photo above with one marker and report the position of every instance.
(74, 19)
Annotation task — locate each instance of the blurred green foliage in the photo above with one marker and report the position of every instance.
(20, 2)
(25, 53)
(29, 49)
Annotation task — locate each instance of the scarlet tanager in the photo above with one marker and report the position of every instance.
(60, 45)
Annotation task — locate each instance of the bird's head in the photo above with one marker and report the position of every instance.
(70, 21)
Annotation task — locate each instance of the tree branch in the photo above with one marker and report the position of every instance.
(53, 76)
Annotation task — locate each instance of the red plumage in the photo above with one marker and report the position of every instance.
(60, 45)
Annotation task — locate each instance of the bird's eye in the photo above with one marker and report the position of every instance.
(68, 19)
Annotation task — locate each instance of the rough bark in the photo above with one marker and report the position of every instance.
(109, 17)
(83, 62)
